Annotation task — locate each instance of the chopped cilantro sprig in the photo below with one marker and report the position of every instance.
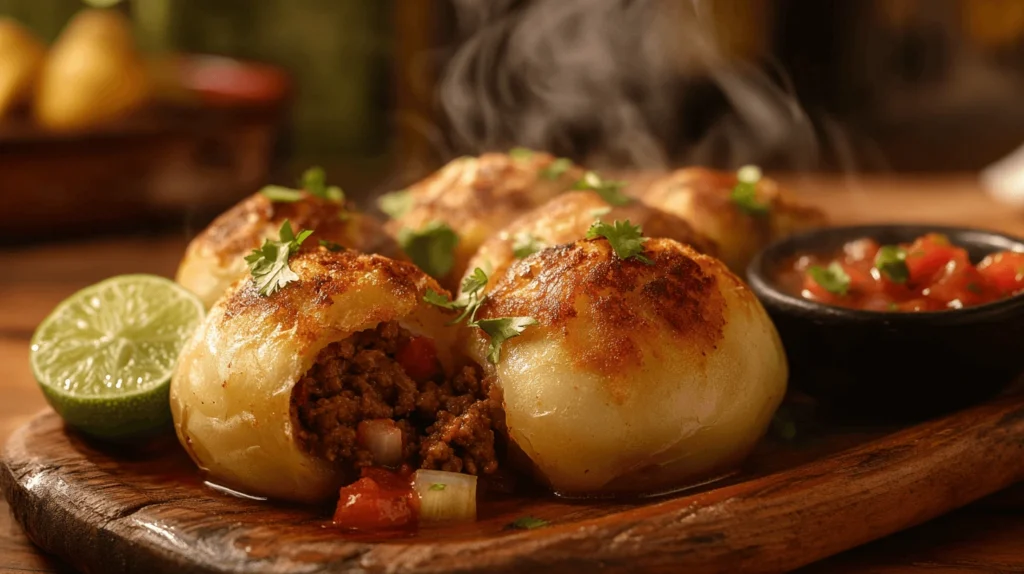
(269, 262)
(627, 240)
(499, 329)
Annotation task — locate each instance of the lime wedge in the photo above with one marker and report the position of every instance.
(105, 355)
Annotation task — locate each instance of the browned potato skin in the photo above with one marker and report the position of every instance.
(214, 259)
(567, 218)
(231, 393)
(636, 377)
(477, 196)
(702, 197)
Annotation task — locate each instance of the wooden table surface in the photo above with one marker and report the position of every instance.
(987, 536)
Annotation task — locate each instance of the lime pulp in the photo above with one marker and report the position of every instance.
(105, 355)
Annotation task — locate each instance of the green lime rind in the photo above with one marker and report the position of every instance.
(105, 355)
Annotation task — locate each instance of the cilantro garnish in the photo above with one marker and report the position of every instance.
(499, 329)
(610, 191)
(744, 194)
(525, 244)
(626, 240)
(279, 194)
(269, 263)
(891, 261)
(468, 301)
(832, 278)
(431, 248)
(526, 523)
(395, 204)
(520, 153)
(331, 245)
(502, 329)
(438, 486)
(314, 180)
(556, 168)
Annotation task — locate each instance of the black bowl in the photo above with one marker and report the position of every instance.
(893, 364)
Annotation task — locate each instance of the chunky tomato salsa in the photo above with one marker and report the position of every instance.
(930, 274)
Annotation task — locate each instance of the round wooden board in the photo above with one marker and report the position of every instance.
(149, 511)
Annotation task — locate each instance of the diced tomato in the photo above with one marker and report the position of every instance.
(861, 250)
(927, 256)
(938, 276)
(380, 500)
(418, 358)
(861, 280)
(1004, 272)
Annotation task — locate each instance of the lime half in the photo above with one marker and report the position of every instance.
(105, 355)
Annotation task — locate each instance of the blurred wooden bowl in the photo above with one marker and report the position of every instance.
(206, 141)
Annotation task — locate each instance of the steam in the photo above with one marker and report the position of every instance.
(607, 82)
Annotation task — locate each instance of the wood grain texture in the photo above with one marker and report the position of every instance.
(984, 537)
(149, 510)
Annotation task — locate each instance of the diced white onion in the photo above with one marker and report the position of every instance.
(383, 439)
(445, 496)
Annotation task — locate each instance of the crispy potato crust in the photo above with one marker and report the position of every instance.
(476, 196)
(567, 218)
(231, 393)
(628, 301)
(703, 197)
(214, 259)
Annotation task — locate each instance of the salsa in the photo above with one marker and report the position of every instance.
(380, 500)
(930, 274)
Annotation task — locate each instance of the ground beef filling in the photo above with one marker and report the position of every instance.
(446, 424)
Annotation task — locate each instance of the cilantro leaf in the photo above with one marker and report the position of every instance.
(610, 191)
(431, 248)
(331, 245)
(279, 194)
(468, 302)
(314, 180)
(520, 153)
(891, 261)
(832, 278)
(438, 486)
(556, 168)
(525, 244)
(475, 282)
(501, 329)
(435, 298)
(744, 193)
(269, 263)
(526, 523)
(395, 204)
(627, 240)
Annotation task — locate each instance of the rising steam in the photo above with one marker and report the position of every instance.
(607, 82)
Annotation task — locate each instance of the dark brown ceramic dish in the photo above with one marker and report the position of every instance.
(893, 364)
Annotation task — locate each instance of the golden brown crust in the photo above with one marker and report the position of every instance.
(324, 274)
(703, 197)
(607, 308)
(479, 187)
(242, 228)
(567, 218)
(476, 196)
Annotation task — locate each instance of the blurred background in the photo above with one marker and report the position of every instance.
(159, 113)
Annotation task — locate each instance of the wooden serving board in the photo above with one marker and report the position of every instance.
(795, 502)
